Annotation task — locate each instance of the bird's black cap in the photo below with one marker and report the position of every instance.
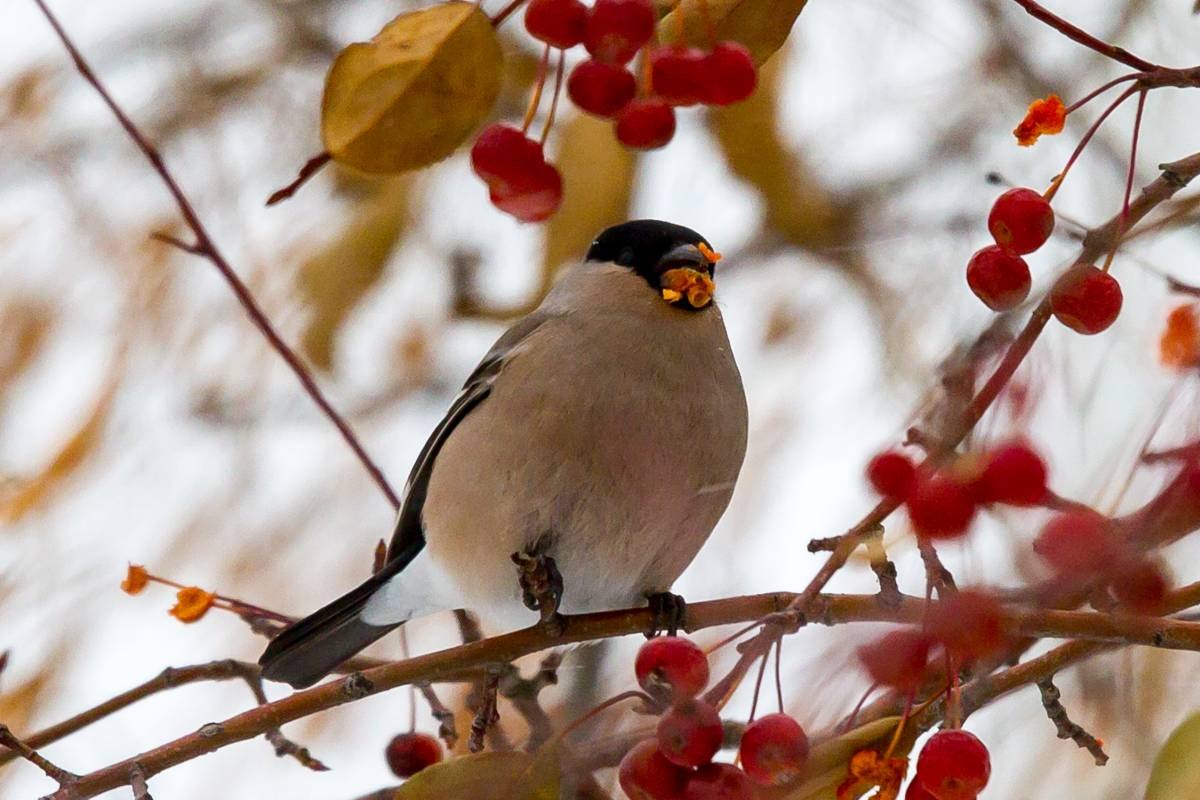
(640, 244)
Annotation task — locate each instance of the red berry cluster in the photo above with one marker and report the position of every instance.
(677, 764)
(409, 753)
(521, 182)
(953, 765)
(1021, 221)
(942, 504)
(1081, 546)
(1086, 299)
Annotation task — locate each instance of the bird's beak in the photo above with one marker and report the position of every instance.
(687, 275)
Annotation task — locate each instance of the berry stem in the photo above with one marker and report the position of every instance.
(607, 704)
(558, 82)
(1090, 96)
(762, 669)
(536, 98)
(778, 679)
(506, 12)
(1137, 127)
(1087, 137)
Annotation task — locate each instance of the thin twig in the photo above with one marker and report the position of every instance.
(310, 168)
(1084, 38)
(20, 749)
(1066, 729)
(207, 248)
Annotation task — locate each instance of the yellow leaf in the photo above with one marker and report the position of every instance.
(597, 177)
(798, 206)
(29, 494)
(1176, 771)
(482, 776)
(334, 278)
(411, 95)
(761, 25)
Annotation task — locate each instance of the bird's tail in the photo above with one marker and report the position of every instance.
(309, 649)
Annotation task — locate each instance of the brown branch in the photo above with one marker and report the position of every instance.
(1066, 729)
(884, 569)
(1084, 38)
(455, 663)
(171, 678)
(207, 248)
(524, 694)
(310, 168)
(21, 749)
(447, 728)
(936, 575)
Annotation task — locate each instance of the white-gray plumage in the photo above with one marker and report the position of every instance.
(609, 426)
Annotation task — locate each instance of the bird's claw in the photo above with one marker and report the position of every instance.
(669, 613)
(541, 588)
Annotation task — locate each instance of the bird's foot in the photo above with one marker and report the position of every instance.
(541, 588)
(669, 613)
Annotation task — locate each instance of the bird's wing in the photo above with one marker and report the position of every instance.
(408, 538)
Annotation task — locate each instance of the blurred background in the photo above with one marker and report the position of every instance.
(143, 419)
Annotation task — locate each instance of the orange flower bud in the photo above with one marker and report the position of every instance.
(1179, 345)
(191, 603)
(1043, 117)
(135, 579)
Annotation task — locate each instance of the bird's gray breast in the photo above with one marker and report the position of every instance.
(616, 436)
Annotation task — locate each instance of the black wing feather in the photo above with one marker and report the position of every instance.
(310, 648)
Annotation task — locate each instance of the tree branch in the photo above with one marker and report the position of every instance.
(205, 246)
(1100, 629)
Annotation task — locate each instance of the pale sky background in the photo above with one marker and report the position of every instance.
(214, 469)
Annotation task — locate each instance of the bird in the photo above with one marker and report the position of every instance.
(596, 445)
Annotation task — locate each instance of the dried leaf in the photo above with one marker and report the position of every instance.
(19, 704)
(34, 491)
(1176, 771)
(23, 328)
(761, 25)
(410, 96)
(336, 277)
(798, 205)
(482, 776)
(597, 177)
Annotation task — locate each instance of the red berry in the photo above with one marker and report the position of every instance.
(1013, 474)
(645, 775)
(690, 734)
(1086, 299)
(678, 74)
(1001, 280)
(729, 74)
(502, 153)
(719, 782)
(1077, 543)
(533, 198)
(617, 29)
(892, 474)
(559, 23)
(953, 765)
(409, 753)
(969, 624)
(897, 660)
(917, 792)
(671, 664)
(645, 124)
(601, 89)
(1021, 220)
(773, 750)
(941, 507)
(1140, 586)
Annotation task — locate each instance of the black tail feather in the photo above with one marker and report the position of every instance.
(309, 649)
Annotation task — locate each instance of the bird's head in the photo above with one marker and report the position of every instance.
(677, 262)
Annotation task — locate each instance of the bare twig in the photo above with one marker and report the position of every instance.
(936, 575)
(137, 782)
(1083, 37)
(447, 729)
(1057, 712)
(310, 168)
(206, 247)
(884, 569)
(22, 750)
(524, 694)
